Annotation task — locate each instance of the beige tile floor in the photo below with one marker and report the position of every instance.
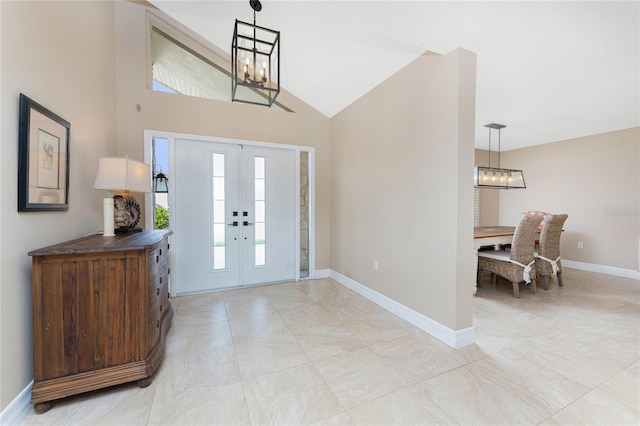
(315, 352)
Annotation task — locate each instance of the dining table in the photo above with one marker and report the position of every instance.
(484, 236)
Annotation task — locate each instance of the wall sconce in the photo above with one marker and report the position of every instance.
(160, 183)
(122, 175)
(495, 177)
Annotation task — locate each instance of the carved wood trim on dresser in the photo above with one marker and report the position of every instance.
(101, 312)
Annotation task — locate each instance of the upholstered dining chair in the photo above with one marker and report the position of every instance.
(548, 253)
(518, 264)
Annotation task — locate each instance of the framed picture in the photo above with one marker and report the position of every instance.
(43, 159)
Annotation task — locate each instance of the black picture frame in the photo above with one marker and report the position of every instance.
(43, 158)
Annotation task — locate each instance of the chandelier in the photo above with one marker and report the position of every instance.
(495, 177)
(255, 62)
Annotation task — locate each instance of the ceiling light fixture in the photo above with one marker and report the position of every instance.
(495, 177)
(255, 62)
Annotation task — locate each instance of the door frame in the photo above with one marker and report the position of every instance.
(172, 136)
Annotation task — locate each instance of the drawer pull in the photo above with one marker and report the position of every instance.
(157, 292)
(157, 258)
(157, 323)
(160, 280)
(160, 308)
(160, 252)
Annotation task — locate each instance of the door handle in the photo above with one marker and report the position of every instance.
(233, 224)
(245, 223)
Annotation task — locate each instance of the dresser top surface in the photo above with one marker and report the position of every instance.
(98, 243)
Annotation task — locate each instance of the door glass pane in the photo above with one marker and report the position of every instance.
(260, 233)
(260, 255)
(218, 211)
(219, 206)
(219, 257)
(218, 164)
(260, 168)
(218, 188)
(259, 209)
(259, 189)
(218, 234)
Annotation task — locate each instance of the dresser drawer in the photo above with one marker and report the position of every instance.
(158, 299)
(159, 257)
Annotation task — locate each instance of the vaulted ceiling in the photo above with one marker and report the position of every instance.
(547, 70)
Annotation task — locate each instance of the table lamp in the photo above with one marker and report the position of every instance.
(122, 175)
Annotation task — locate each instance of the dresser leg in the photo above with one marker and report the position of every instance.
(143, 383)
(42, 407)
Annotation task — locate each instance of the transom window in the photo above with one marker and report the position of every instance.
(179, 69)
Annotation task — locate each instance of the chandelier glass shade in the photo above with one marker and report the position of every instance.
(491, 177)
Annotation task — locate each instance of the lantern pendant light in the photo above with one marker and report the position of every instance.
(496, 177)
(255, 62)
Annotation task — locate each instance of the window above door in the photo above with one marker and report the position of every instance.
(180, 65)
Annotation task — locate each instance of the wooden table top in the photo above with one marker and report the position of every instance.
(97, 243)
(493, 231)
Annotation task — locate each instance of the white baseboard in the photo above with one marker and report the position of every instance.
(454, 338)
(15, 412)
(321, 273)
(602, 269)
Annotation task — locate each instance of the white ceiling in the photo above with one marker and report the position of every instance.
(549, 71)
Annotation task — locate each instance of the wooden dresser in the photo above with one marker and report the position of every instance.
(101, 312)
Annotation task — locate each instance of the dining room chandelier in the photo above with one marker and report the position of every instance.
(496, 177)
(255, 62)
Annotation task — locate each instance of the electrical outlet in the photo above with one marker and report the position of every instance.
(580, 244)
(375, 265)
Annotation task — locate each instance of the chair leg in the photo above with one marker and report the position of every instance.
(545, 282)
(533, 286)
(516, 289)
(559, 275)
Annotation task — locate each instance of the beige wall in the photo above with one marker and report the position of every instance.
(86, 62)
(166, 112)
(595, 180)
(402, 163)
(61, 55)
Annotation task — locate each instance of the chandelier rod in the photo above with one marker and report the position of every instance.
(499, 147)
(489, 147)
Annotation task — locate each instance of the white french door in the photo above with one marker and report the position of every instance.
(235, 215)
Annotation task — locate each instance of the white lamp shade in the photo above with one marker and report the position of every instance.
(122, 174)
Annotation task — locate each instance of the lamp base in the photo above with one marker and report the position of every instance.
(127, 230)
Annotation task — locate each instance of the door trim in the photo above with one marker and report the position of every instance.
(172, 136)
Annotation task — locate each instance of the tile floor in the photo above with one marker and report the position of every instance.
(315, 352)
